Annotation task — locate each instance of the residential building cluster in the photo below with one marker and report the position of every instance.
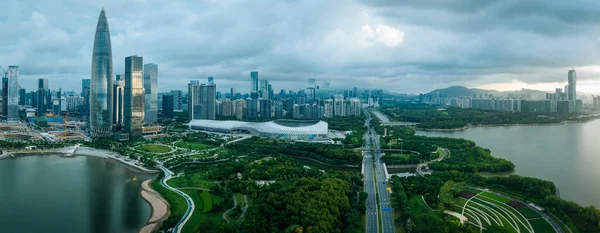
(559, 101)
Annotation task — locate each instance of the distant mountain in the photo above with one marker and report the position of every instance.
(461, 91)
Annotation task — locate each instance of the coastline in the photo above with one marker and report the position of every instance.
(501, 125)
(160, 207)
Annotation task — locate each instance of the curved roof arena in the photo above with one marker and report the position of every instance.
(277, 127)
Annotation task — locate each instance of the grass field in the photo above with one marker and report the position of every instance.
(488, 209)
(197, 180)
(404, 156)
(202, 216)
(177, 202)
(206, 202)
(193, 145)
(153, 148)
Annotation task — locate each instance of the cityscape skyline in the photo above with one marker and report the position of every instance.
(365, 32)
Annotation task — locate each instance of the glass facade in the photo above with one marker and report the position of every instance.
(150, 88)
(13, 94)
(101, 85)
(133, 111)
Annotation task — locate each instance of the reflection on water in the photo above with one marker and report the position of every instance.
(70, 195)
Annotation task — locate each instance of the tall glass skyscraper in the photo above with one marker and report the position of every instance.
(254, 78)
(101, 84)
(151, 93)
(133, 111)
(571, 87)
(13, 94)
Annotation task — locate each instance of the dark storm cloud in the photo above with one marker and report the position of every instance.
(404, 46)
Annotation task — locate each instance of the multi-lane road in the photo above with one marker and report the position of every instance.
(376, 182)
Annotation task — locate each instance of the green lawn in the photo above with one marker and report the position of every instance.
(528, 212)
(206, 202)
(153, 148)
(404, 156)
(417, 205)
(196, 180)
(541, 225)
(177, 202)
(239, 198)
(495, 197)
(193, 145)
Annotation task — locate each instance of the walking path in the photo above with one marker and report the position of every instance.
(188, 199)
(229, 210)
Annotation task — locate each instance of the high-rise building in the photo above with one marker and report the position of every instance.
(85, 85)
(207, 101)
(22, 96)
(101, 84)
(151, 93)
(177, 100)
(13, 94)
(133, 107)
(118, 103)
(232, 93)
(42, 102)
(572, 83)
(265, 108)
(4, 95)
(193, 99)
(239, 106)
(254, 81)
(264, 89)
(167, 106)
(251, 108)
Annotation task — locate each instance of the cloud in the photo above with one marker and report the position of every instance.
(404, 46)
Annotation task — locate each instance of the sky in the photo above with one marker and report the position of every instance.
(399, 46)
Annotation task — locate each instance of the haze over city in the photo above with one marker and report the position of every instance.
(405, 47)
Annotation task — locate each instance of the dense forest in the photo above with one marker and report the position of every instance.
(327, 153)
(446, 117)
(474, 159)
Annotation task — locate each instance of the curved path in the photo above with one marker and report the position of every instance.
(188, 199)
(229, 210)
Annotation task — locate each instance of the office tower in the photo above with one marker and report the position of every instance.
(265, 108)
(22, 96)
(354, 92)
(101, 84)
(85, 85)
(193, 99)
(118, 103)
(13, 94)
(207, 101)
(5, 95)
(151, 93)
(572, 92)
(133, 107)
(177, 100)
(251, 108)
(254, 79)
(41, 96)
(167, 106)
(231, 93)
(264, 89)
(270, 91)
(211, 80)
(278, 105)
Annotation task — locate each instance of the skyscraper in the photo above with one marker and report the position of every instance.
(151, 93)
(42, 102)
(118, 103)
(192, 99)
(572, 90)
(264, 89)
(167, 106)
(85, 85)
(22, 96)
(5, 95)
(254, 79)
(100, 120)
(13, 94)
(207, 101)
(133, 107)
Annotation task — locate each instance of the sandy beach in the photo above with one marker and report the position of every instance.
(160, 207)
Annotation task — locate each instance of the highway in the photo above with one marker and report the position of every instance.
(376, 184)
(371, 210)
